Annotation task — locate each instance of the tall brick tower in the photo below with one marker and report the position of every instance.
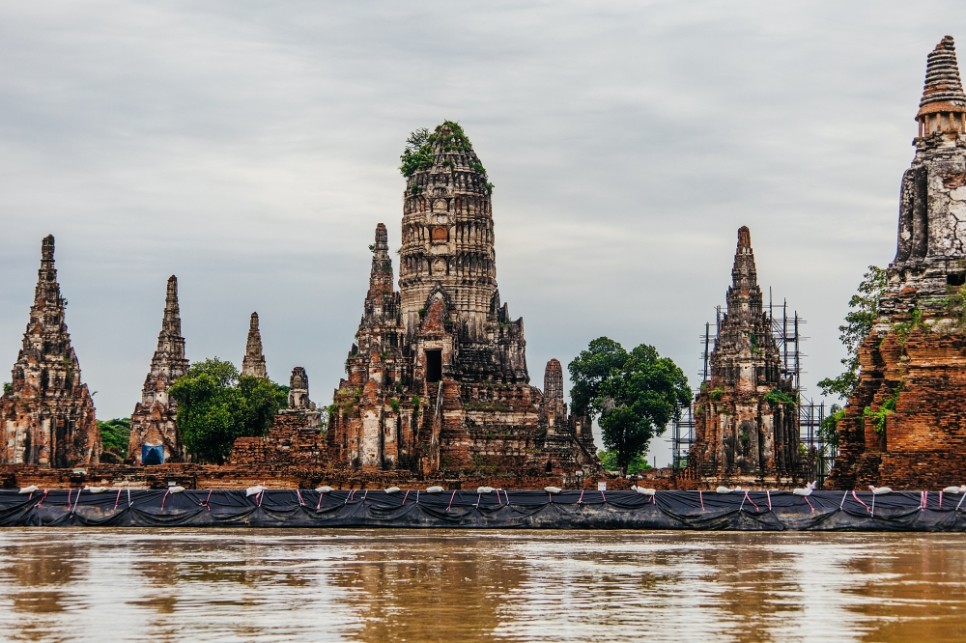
(447, 259)
(154, 429)
(47, 414)
(905, 424)
(746, 416)
(437, 379)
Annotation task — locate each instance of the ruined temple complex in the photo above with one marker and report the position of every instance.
(905, 424)
(437, 378)
(437, 386)
(47, 414)
(745, 416)
(154, 430)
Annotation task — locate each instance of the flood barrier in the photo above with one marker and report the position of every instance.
(696, 510)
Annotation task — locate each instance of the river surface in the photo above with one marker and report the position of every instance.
(393, 585)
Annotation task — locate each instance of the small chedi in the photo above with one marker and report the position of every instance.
(254, 361)
(47, 414)
(154, 428)
(905, 424)
(437, 378)
(746, 416)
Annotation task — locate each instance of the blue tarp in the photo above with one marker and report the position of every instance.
(740, 511)
(152, 454)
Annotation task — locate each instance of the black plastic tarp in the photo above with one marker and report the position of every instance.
(707, 510)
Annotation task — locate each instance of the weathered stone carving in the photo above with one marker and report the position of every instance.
(154, 428)
(437, 379)
(905, 424)
(746, 418)
(254, 361)
(47, 414)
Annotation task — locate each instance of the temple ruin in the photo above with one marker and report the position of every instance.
(745, 415)
(295, 437)
(46, 412)
(905, 424)
(437, 379)
(154, 428)
(253, 363)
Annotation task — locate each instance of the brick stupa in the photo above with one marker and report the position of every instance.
(905, 424)
(47, 414)
(253, 363)
(437, 379)
(154, 429)
(746, 418)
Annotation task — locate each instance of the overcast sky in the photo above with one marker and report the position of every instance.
(251, 148)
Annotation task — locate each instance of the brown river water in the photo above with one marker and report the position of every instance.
(394, 585)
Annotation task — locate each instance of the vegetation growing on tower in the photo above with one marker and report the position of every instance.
(419, 153)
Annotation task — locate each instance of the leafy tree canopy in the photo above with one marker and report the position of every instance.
(863, 311)
(115, 435)
(608, 460)
(216, 405)
(633, 395)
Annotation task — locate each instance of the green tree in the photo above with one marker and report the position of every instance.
(863, 311)
(633, 395)
(216, 405)
(115, 435)
(608, 461)
(827, 430)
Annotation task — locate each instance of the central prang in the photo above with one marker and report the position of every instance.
(437, 379)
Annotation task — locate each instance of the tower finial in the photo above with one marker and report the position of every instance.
(47, 248)
(943, 104)
(171, 296)
(380, 276)
(171, 325)
(744, 237)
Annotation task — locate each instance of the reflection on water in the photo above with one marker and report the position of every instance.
(387, 585)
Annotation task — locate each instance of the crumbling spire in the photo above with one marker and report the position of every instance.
(254, 361)
(47, 416)
(154, 435)
(744, 292)
(943, 104)
(172, 311)
(48, 291)
(380, 276)
(170, 352)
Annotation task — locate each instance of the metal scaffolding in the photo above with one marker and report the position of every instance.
(810, 418)
(786, 332)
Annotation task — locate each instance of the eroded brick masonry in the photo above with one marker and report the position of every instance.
(47, 415)
(905, 424)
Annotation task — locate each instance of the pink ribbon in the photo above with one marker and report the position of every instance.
(859, 500)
